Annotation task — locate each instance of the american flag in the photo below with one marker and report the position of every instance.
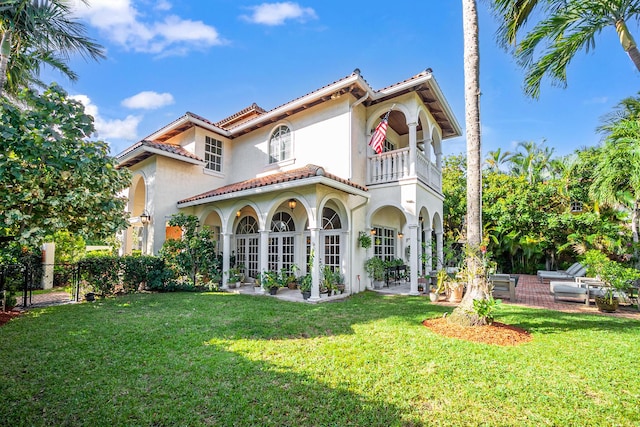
(378, 137)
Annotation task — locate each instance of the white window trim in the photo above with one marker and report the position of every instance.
(283, 162)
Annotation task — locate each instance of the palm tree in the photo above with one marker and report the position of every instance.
(627, 109)
(39, 32)
(495, 159)
(616, 179)
(477, 287)
(568, 27)
(534, 162)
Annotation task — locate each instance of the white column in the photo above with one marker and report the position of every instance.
(48, 261)
(439, 161)
(413, 260)
(226, 257)
(413, 148)
(264, 251)
(439, 253)
(315, 272)
(427, 250)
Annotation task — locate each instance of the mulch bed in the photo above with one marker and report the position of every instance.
(496, 333)
(5, 316)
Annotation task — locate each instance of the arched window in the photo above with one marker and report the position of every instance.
(282, 222)
(330, 220)
(280, 144)
(247, 225)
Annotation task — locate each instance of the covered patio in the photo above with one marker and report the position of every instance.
(529, 293)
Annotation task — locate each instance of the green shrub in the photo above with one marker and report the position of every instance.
(148, 271)
(100, 273)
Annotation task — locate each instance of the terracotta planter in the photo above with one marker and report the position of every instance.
(456, 294)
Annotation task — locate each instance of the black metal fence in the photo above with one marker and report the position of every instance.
(22, 279)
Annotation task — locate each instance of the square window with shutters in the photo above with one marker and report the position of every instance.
(213, 154)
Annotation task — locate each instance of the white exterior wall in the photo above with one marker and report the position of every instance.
(332, 135)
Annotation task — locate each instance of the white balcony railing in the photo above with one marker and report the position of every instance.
(394, 165)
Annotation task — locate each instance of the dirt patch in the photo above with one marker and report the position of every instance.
(5, 316)
(496, 333)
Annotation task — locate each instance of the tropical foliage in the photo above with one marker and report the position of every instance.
(564, 28)
(192, 257)
(533, 218)
(51, 176)
(34, 33)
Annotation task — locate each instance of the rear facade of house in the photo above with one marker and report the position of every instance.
(297, 185)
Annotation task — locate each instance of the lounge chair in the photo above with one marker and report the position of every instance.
(504, 286)
(576, 270)
(574, 266)
(582, 288)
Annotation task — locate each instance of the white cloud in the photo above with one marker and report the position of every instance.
(277, 13)
(148, 100)
(105, 129)
(122, 23)
(163, 5)
(596, 100)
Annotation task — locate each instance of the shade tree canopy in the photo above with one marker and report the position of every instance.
(51, 176)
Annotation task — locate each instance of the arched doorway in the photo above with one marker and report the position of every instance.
(281, 250)
(247, 245)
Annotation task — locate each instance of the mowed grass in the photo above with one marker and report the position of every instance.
(237, 360)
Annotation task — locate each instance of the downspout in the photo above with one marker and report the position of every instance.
(364, 203)
(355, 104)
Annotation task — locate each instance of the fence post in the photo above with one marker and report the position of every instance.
(25, 288)
(76, 277)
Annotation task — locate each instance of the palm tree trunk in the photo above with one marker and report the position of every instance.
(472, 123)
(5, 53)
(628, 43)
(476, 283)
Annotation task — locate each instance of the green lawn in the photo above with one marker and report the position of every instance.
(226, 359)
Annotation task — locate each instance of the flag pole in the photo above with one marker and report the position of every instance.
(380, 134)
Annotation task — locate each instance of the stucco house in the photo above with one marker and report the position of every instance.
(301, 179)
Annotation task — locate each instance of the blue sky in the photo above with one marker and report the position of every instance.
(214, 58)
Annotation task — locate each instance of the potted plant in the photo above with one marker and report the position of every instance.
(364, 239)
(332, 279)
(270, 282)
(375, 269)
(305, 286)
(288, 278)
(617, 278)
(234, 277)
(440, 285)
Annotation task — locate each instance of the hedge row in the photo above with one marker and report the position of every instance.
(105, 275)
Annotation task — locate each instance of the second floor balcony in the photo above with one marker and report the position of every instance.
(393, 166)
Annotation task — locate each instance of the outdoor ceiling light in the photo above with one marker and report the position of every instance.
(373, 231)
(400, 235)
(292, 204)
(238, 214)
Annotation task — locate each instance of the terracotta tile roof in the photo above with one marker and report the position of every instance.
(422, 74)
(253, 108)
(356, 71)
(189, 113)
(307, 171)
(173, 149)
